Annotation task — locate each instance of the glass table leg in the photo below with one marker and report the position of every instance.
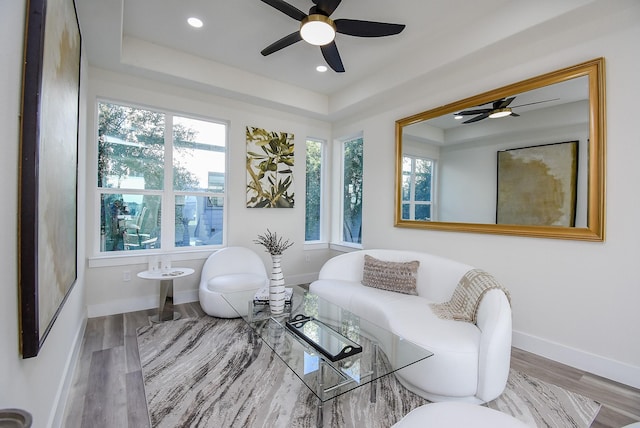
(320, 418)
(374, 367)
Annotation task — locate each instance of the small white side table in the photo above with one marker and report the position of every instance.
(166, 277)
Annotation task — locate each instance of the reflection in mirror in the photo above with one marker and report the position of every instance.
(536, 169)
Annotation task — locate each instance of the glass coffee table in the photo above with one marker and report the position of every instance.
(331, 350)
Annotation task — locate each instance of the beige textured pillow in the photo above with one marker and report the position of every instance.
(392, 276)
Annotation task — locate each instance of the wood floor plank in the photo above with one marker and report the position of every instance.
(543, 368)
(113, 331)
(133, 321)
(106, 392)
(611, 418)
(190, 310)
(137, 413)
(614, 394)
(92, 341)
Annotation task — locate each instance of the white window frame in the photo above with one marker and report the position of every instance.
(168, 194)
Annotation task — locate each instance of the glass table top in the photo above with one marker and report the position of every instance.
(383, 352)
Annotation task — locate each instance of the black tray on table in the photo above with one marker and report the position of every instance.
(323, 338)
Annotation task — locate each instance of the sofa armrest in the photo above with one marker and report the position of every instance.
(494, 322)
(345, 267)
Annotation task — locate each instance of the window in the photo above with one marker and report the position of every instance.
(417, 185)
(352, 190)
(161, 179)
(313, 203)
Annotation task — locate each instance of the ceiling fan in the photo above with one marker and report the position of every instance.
(318, 29)
(499, 108)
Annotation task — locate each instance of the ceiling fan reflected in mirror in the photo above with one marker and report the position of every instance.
(317, 28)
(499, 108)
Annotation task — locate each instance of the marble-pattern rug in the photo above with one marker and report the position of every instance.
(206, 372)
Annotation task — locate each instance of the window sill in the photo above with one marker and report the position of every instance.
(315, 245)
(122, 259)
(345, 247)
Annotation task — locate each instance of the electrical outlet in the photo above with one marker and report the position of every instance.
(307, 258)
(126, 275)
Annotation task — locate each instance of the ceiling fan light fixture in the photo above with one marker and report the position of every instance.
(501, 112)
(317, 30)
(195, 22)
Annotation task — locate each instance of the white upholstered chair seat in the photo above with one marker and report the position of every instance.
(235, 282)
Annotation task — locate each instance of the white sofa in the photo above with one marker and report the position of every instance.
(470, 362)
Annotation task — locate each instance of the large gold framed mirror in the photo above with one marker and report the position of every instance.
(526, 159)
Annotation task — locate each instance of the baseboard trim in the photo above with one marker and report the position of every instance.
(122, 306)
(596, 364)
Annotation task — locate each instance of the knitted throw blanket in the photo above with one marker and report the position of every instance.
(467, 296)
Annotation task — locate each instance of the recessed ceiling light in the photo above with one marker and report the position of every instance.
(458, 116)
(321, 68)
(195, 22)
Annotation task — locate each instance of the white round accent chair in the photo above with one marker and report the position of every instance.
(228, 270)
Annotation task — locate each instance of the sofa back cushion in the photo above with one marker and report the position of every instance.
(392, 276)
(436, 278)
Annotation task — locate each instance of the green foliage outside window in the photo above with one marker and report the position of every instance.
(313, 191)
(352, 191)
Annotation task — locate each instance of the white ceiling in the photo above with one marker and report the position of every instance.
(152, 38)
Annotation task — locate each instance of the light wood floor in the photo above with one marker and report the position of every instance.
(108, 392)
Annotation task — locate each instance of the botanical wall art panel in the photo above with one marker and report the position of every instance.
(269, 169)
(49, 158)
(537, 185)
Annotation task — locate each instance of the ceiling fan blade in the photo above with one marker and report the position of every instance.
(477, 118)
(287, 9)
(469, 112)
(537, 102)
(503, 102)
(282, 43)
(355, 27)
(331, 55)
(327, 6)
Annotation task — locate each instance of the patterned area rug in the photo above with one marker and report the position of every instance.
(211, 372)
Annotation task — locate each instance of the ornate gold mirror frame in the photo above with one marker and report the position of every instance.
(593, 228)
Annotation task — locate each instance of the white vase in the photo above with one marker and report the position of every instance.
(276, 286)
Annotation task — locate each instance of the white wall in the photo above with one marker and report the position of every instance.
(36, 384)
(107, 293)
(576, 302)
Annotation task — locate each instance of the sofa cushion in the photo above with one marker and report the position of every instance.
(392, 276)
